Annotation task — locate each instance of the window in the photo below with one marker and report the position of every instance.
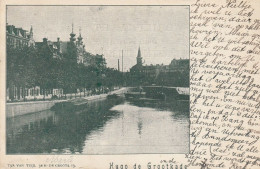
(14, 91)
(32, 92)
(26, 92)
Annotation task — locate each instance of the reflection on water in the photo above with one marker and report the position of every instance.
(104, 127)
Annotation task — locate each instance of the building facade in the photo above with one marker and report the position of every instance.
(18, 37)
(74, 50)
(49, 48)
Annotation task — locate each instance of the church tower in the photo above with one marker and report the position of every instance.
(72, 35)
(72, 51)
(80, 48)
(31, 40)
(80, 42)
(139, 58)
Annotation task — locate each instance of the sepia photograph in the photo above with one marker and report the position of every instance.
(97, 80)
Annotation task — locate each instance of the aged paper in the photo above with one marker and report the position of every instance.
(224, 92)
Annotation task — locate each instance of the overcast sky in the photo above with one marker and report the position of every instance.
(161, 31)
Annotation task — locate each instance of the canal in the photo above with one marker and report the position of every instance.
(103, 127)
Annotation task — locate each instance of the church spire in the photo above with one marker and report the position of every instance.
(139, 52)
(80, 38)
(72, 35)
(139, 58)
(31, 32)
(30, 36)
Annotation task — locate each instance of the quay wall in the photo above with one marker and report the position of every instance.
(21, 108)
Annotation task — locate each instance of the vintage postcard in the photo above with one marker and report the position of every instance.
(139, 85)
(104, 85)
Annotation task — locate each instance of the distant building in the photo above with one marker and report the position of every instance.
(154, 70)
(177, 67)
(18, 37)
(49, 48)
(94, 60)
(73, 49)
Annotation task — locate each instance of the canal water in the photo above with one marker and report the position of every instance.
(103, 127)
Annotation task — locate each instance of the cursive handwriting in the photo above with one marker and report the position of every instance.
(224, 85)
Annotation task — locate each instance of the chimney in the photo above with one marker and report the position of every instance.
(58, 39)
(12, 29)
(45, 40)
(118, 65)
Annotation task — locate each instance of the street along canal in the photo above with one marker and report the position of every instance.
(103, 127)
